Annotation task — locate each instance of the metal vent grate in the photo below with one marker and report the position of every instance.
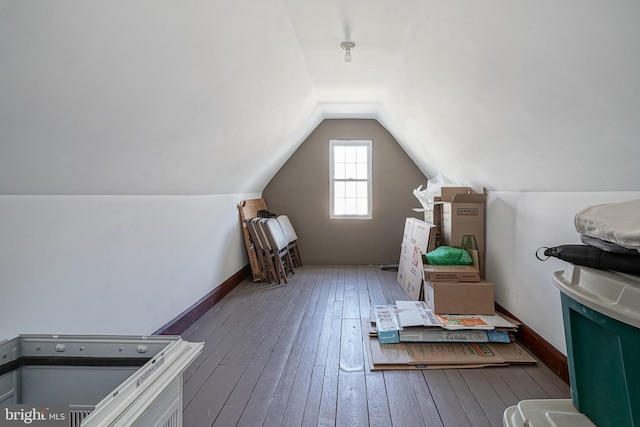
(77, 413)
(173, 420)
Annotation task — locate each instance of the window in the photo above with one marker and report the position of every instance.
(350, 176)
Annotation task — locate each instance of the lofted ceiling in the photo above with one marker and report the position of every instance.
(213, 96)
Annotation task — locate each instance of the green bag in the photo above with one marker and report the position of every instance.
(449, 255)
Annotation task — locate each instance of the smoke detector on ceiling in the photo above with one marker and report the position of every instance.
(347, 46)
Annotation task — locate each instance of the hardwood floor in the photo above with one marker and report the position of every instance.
(292, 355)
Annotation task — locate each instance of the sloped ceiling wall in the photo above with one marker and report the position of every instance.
(211, 97)
(148, 97)
(522, 96)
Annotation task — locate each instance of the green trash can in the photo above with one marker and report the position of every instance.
(601, 314)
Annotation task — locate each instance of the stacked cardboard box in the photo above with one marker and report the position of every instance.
(457, 289)
(459, 218)
(455, 324)
(460, 289)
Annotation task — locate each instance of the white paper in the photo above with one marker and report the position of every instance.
(417, 317)
(386, 318)
(411, 305)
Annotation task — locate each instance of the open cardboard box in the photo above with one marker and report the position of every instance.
(463, 217)
(457, 289)
(453, 273)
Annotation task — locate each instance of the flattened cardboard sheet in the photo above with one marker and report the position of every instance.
(388, 366)
(441, 355)
(448, 353)
(416, 239)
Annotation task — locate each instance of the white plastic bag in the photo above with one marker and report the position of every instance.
(426, 196)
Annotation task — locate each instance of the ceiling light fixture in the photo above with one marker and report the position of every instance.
(347, 46)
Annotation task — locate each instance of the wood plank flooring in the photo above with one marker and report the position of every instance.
(293, 355)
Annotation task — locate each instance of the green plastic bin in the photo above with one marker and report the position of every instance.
(601, 314)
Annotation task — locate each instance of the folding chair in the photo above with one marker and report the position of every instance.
(292, 237)
(263, 251)
(278, 244)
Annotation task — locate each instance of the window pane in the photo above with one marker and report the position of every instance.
(351, 189)
(339, 189)
(361, 154)
(361, 189)
(362, 206)
(350, 171)
(350, 206)
(350, 154)
(339, 207)
(338, 153)
(339, 171)
(361, 171)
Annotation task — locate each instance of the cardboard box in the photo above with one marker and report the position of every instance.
(451, 273)
(454, 273)
(460, 298)
(447, 193)
(463, 220)
(416, 239)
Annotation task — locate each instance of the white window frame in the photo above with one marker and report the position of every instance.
(332, 179)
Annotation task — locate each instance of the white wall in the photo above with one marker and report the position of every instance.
(149, 96)
(517, 225)
(522, 95)
(112, 264)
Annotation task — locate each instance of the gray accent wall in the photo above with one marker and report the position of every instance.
(300, 189)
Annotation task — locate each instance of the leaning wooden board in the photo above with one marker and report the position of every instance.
(249, 209)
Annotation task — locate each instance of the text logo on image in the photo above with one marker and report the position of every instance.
(34, 415)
